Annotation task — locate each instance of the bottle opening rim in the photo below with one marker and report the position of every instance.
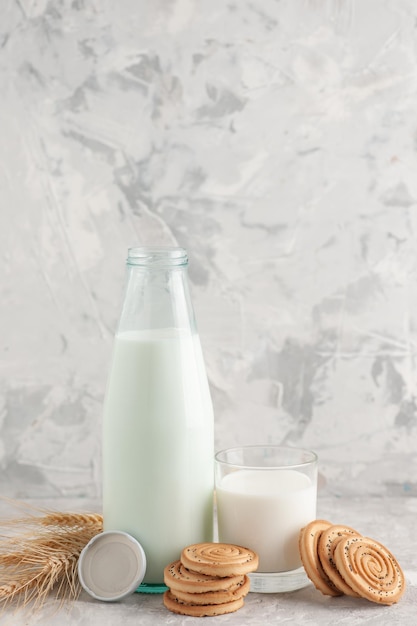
(162, 256)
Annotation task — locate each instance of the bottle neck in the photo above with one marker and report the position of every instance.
(157, 257)
(157, 292)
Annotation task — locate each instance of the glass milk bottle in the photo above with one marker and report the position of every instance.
(158, 417)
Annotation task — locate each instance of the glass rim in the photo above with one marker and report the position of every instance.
(157, 255)
(313, 457)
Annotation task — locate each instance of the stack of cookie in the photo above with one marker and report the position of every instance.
(338, 560)
(209, 579)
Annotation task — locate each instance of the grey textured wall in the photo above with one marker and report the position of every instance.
(277, 142)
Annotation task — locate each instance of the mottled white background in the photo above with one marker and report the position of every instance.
(277, 141)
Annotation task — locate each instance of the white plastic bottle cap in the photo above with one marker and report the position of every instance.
(112, 565)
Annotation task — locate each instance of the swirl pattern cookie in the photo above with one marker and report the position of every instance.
(201, 610)
(177, 576)
(328, 541)
(351, 564)
(214, 597)
(219, 559)
(209, 579)
(370, 569)
(308, 547)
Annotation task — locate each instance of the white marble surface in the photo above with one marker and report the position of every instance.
(389, 520)
(276, 141)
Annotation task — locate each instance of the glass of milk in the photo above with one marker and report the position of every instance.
(265, 494)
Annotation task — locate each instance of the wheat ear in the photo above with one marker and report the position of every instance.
(39, 555)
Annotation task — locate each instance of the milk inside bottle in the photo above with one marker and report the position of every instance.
(158, 419)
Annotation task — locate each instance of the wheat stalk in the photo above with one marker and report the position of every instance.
(74, 520)
(39, 555)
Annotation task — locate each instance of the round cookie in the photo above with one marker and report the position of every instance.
(177, 576)
(370, 569)
(219, 559)
(328, 541)
(214, 597)
(307, 543)
(202, 610)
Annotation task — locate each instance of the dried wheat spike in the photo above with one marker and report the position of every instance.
(39, 555)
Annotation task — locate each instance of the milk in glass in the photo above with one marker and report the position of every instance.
(264, 510)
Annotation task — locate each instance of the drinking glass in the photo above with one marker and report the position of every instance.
(265, 494)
